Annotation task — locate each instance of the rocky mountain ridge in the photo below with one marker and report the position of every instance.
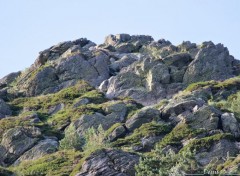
(141, 98)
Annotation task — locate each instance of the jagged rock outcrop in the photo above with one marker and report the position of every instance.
(159, 72)
(62, 65)
(16, 141)
(145, 115)
(230, 124)
(109, 162)
(42, 148)
(7, 80)
(56, 51)
(117, 133)
(220, 152)
(212, 62)
(124, 43)
(178, 106)
(115, 113)
(125, 65)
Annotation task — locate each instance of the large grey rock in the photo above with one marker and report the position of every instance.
(42, 148)
(126, 38)
(219, 151)
(116, 110)
(176, 107)
(4, 109)
(55, 109)
(16, 141)
(94, 70)
(124, 43)
(159, 49)
(42, 82)
(110, 163)
(62, 66)
(115, 113)
(91, 66)
(206, 117)
(145, 115)
(189, 47)
(81, 101)
(7, 80)
(230, 124)
(117, 133)
(146, 80)
(88, 121)
(178, 60)
(212, 62)
(56, 51)
(125, 61)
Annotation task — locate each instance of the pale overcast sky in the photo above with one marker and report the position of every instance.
(29, 26)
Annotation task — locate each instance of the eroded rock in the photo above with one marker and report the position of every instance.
(16, 141)
(109, 162)
(42, 148)
(145, 115)
(212, 62)
(230, 124)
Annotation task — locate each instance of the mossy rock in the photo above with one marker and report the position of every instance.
(146, 130)
(207, 142)
(179, 132)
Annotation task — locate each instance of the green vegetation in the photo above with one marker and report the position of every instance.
(60, 164)
(148, 129)
(231, 165)
(71, 140)
(232, 104)
(53, 124)
(167, 163)
(132, 109)
(44, 102)
(161, 103)
(112, 128)
(232, 83)
(198, 85)
(225, 94)
(66, 161)
(94, 139)
(206, 142)
(180, 132)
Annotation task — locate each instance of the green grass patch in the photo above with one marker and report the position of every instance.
(206, 142)
(60, 163)
(180, 132)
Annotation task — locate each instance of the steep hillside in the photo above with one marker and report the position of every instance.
(128, 106)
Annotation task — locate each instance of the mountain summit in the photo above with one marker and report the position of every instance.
(131, 105)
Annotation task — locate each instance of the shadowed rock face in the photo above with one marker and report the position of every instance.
(4, 109)
(110, 162)
(16, 141)
(41, 149)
